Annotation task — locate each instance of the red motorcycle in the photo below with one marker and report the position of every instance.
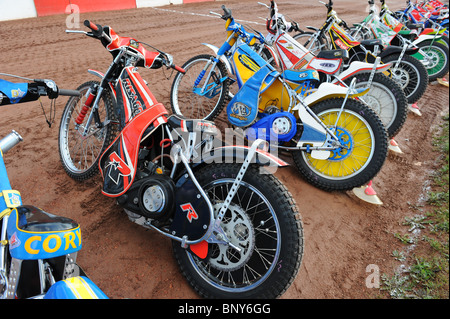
(236, 230)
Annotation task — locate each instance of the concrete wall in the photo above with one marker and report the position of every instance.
(20, 9)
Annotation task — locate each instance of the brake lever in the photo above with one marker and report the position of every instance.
(78, 31)
(215, 13)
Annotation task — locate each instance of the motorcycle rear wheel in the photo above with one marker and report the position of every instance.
(386, 98)
(438, 55)
(410, 74)
(80, 155)
(184, 101)
(263, 220)
(313, 45)
(362, 131)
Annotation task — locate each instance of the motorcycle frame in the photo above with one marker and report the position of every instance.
(237, 36)
(407, 13)
(336, 77)
(214, 233)
(332, 28)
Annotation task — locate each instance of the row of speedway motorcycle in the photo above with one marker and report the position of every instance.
(236, 230)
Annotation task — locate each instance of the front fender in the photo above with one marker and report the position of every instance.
(222, 58)
(273, 54)
(96, 73)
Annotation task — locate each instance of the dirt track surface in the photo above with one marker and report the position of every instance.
(343, 235)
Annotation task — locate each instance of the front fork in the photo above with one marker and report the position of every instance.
(93, 96)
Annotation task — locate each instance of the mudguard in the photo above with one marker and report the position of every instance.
(392, 49)
(79, 287)
(327, 91)
(222, 58)
(34, 234)
(273, 54)
(237, 154)
(357, 67)
(425, 37)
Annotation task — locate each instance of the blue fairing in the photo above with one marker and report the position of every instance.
(14, 91)
(75, 288)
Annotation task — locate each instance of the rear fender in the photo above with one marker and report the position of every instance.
(237, 154)
(359, 67)
(425, 37)
(392, 49)
(327, 91)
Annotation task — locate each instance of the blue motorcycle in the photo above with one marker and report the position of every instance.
(37, 249)
(336, 141)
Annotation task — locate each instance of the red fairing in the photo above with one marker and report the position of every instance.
(118, 42)
(133, 94)
(118, 163)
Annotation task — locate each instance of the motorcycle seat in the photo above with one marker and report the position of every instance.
(298, 76)
(33, 219)
(414, 25)
(176, 121)
(35, 234)
(333, 54)
(372, 42)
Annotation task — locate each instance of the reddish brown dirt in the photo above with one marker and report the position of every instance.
(342, 234)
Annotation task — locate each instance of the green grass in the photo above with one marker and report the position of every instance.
(424, 273)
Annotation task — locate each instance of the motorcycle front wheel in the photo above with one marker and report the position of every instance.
(186, 96)
(364, 150)
(263, 221)
(80, 154)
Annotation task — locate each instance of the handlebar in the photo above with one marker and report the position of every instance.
(98, 32)
(33, 89)
(68, 92)
(97, 29)
(177, 68)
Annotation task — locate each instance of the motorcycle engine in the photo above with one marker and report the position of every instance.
(152, 197)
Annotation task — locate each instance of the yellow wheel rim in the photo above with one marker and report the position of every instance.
(353, 131)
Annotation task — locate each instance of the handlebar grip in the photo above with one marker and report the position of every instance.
(68, 92)
(90, 25)
(179, 69)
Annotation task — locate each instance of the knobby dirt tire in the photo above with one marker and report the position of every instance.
(386, 94)
(186, 103)
(416, 86)
(279, 225)
(367, 155)
(79, 156)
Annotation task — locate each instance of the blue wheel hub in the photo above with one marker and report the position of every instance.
(346, 140)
